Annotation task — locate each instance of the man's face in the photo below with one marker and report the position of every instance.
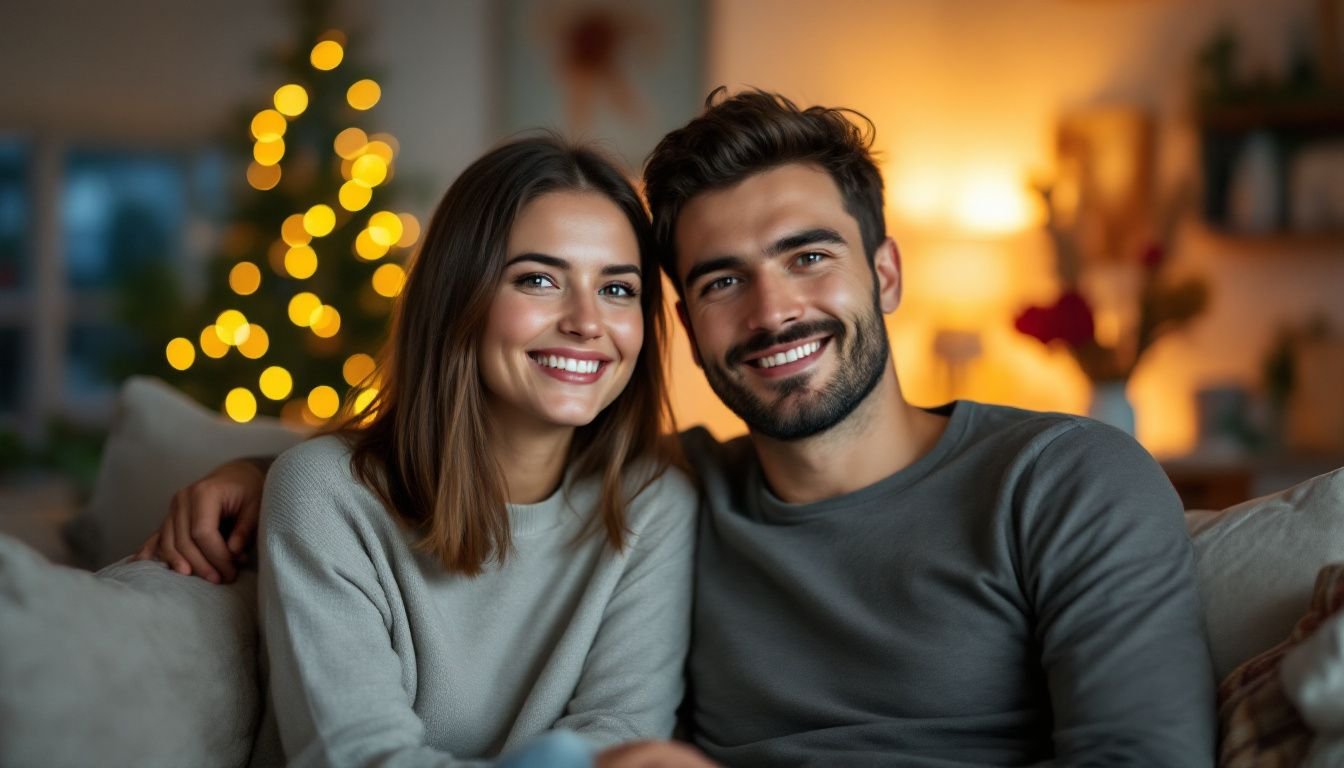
(783, 309)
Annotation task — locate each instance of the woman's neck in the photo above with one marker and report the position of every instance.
(532, 460)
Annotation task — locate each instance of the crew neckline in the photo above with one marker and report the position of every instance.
(545, 515)
(771, 507)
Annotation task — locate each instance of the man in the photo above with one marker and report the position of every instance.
(880, 584)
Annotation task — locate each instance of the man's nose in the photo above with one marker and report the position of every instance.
(775, 303)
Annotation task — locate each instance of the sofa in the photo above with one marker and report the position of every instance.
(136, 665)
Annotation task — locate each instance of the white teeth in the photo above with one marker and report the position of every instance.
(788, 356)
(568, 364)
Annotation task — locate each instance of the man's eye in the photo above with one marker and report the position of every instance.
(720, 283)
(535, 280)
(620, 290)
(810, 258)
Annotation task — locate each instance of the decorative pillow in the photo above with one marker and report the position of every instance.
(135, 665)
(161, 440)
(1313, 677)
(1258, 723)
(1257, 560)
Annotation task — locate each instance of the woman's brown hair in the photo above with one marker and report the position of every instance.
(426, 450)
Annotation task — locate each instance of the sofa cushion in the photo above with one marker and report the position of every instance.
(1257, 562)
(160, 441)
(134, 665)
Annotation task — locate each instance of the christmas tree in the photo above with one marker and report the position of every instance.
(300, 290)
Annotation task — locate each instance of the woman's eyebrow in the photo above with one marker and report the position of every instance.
(540, 258)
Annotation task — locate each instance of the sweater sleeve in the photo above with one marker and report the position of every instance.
(633, 677)
(1109, 570)
(335, 679)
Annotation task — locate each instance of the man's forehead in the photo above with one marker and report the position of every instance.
(745, 218)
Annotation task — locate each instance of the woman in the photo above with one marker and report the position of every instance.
(501, 549)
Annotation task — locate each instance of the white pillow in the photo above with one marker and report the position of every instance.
(135, 665)
(1257, 564)
(161, 440)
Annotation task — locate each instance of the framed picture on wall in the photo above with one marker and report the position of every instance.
(618, 73)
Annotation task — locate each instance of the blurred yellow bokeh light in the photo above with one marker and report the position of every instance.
(385, 228)
(301, 262)
(211, 344)
(303, 307)
(326, 55)
(366, 248)
(364, 399)
(276, 383)
(363, 94)
(231, 327)
(240, 405)
(268, 125)
(244, 278)
(292, 231)
(380, 149)
(323, 402)
(327, 322)
(319, 220)
(268, 152)
(410, 230)
(291, 100)
(354, 196)
(181, 354)
(369, 170)
(388, 280)
(256, 344)
(262, 177)
(350, 142)
(357, 368)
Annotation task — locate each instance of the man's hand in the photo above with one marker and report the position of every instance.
(653, 754)
(190, 540)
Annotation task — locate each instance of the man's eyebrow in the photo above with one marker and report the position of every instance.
(713, 265)
(559, 263)
(806, 237)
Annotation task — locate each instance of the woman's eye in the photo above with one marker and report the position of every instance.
(720, 283)
(620, 290)
(535, 280)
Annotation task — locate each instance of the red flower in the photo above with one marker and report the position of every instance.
(1068, 320)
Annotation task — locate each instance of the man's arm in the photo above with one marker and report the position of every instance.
(1109, 570)
(226, 502)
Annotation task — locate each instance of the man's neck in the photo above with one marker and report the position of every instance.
(882, 436)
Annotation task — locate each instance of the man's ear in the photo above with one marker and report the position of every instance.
(690, 334)
(887, 268)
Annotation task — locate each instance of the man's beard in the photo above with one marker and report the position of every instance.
(860, 362)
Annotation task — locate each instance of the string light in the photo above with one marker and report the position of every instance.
(364, 399)
(231, 327)
(354, 196)
(276, 383)
(244, 278)
(363, 94)
(291, 100)
(388, 280)
(326, 55)
(357, 368)
(181, 354)
(303, 307)
(323, 402)
(369, 170)
(292, 231)
(327, 322)
(384, 228)
(262, 177)
(240, 405)
(301, 262)
(366, 248)
(256, 344)
(319, 220)
(211, 344)
(268, 152)
(268, 125)
(410, 230)
(350, 143)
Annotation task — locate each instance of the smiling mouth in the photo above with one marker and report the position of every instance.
(800, 352)
(566, 364)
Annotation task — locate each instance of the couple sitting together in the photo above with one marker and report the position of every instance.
(507, 564)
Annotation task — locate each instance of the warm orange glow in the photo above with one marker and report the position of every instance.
(363, 94)
(291, 100)
(276, 383)
(357, 368)
(262, 177)
(231, 327)
(268, 125)
(369, 170)
(268, 152)
(256, 344)
(244, 278)
(364, 399)
(327, 322)
(326, 55)
(211, 344)
(350, 143)
(319, 220)
(384, 228)
(380, 149)
(354, 196)
(292, 231)
(240, 405)
(323, 402)
(410, 230)
(181, 354)
(366, 248)
(301, 262)
(303, 308)
(388, 280)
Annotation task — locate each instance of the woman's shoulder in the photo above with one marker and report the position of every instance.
(320, 460)
(315, 479)
(668, 500)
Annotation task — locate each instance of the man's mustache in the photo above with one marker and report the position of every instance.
(765, 340)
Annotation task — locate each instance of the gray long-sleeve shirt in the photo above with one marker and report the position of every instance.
(1023, 593)
(377, 655)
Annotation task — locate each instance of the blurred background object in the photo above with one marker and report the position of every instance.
(151, 154)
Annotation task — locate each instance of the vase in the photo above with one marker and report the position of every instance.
(1111, 406)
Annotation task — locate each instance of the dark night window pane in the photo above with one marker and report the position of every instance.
(12, 351)
(122, 211)
(92, 352)
(14, 215)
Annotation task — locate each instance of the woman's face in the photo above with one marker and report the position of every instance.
(566, 325)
